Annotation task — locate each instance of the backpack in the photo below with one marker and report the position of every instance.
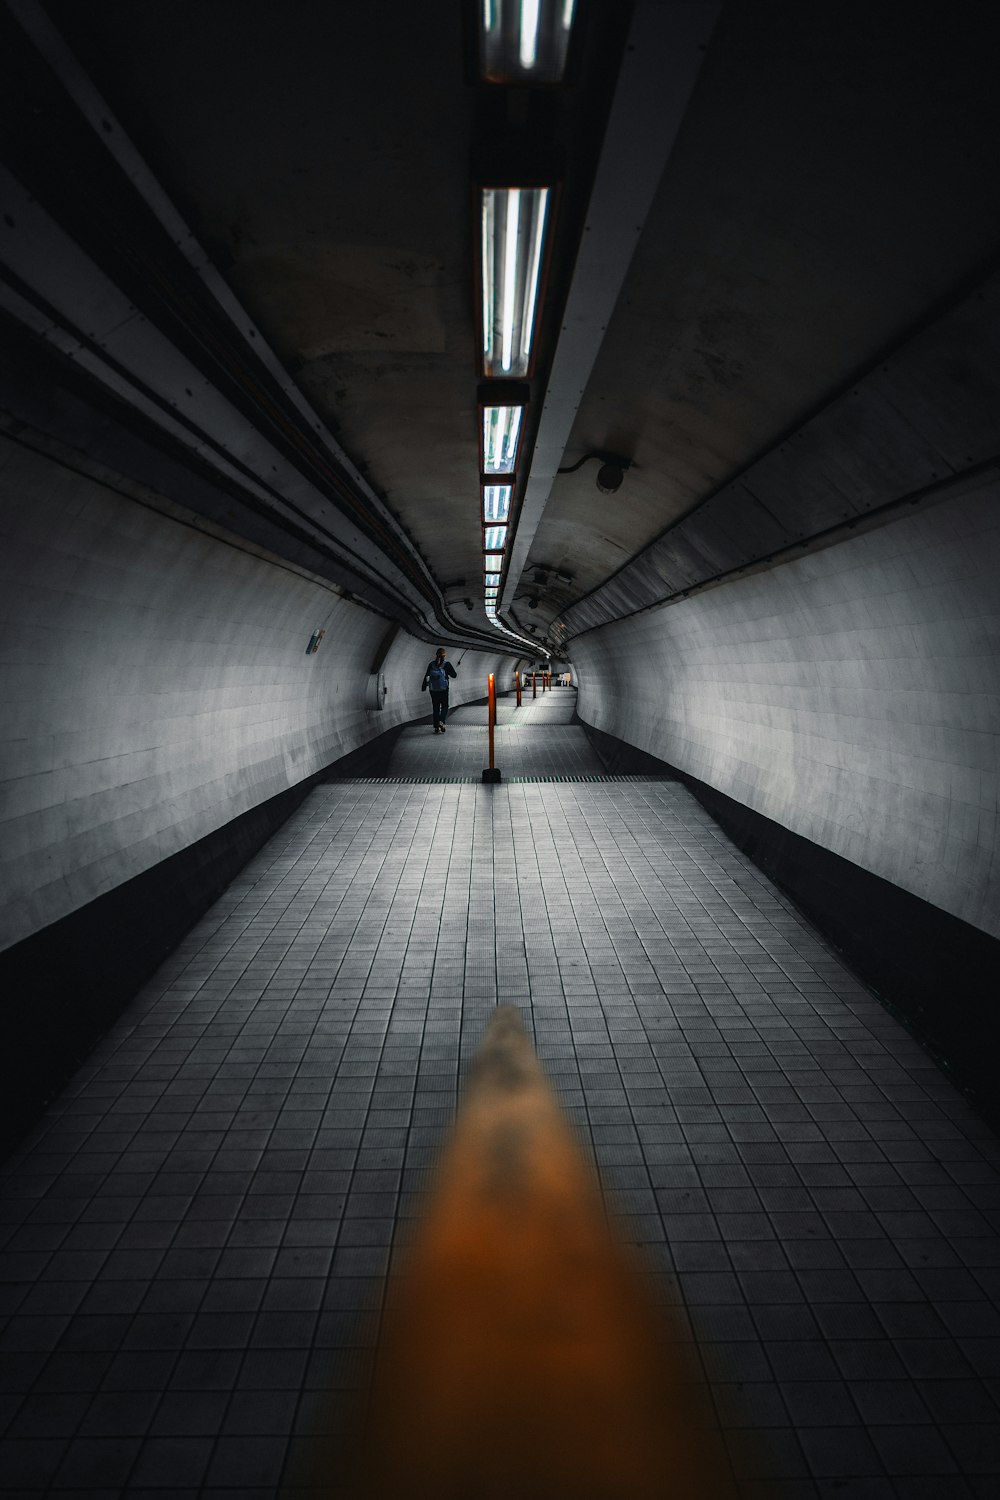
(437, 678)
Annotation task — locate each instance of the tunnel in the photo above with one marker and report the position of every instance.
(643, 356)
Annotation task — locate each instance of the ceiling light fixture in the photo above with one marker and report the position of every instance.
(496, 502)
(512, 224)
(524, 41)
(501, 430)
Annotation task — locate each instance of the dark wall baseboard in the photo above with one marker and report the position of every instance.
(66, 984)
(937, 974)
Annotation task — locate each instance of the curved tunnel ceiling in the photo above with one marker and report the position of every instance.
(831, 196)
(835, 179)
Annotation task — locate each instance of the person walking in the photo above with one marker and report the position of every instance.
(436, 678)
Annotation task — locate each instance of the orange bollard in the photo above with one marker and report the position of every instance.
(491, 773)
(534, 685)
(521, 1352)
(492, 692)
(517, 687)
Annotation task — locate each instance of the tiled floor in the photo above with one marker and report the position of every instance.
(521, 746)
(189, 1236)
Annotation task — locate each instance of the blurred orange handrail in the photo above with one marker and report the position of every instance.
(521, 1354)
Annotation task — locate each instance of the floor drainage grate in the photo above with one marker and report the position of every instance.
(588, 778)
(475, 780)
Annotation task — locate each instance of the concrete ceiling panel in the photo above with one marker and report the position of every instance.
(751, 528)
(854, 455)
(948, 380)
(349, 299)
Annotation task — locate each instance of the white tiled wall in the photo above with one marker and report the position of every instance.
(852, 696)
(155, 685)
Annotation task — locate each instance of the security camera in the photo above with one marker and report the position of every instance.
(609, 475)
(609, 478)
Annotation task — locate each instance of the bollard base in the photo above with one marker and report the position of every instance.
(491, 774)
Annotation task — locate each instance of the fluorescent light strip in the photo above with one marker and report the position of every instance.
(496, 502)
(492, 561)
(509, 278)
(509, 436)
(495, 536)
(501, 429)
(528, 322)
(524, 41)
(488, 251)
(513, 225)
(528, 49)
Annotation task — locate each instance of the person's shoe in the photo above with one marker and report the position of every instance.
(443, 728)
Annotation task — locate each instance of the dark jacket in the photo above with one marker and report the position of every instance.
(436, 677)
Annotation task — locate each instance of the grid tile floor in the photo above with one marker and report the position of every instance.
(534, 740)
(188, 1238)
